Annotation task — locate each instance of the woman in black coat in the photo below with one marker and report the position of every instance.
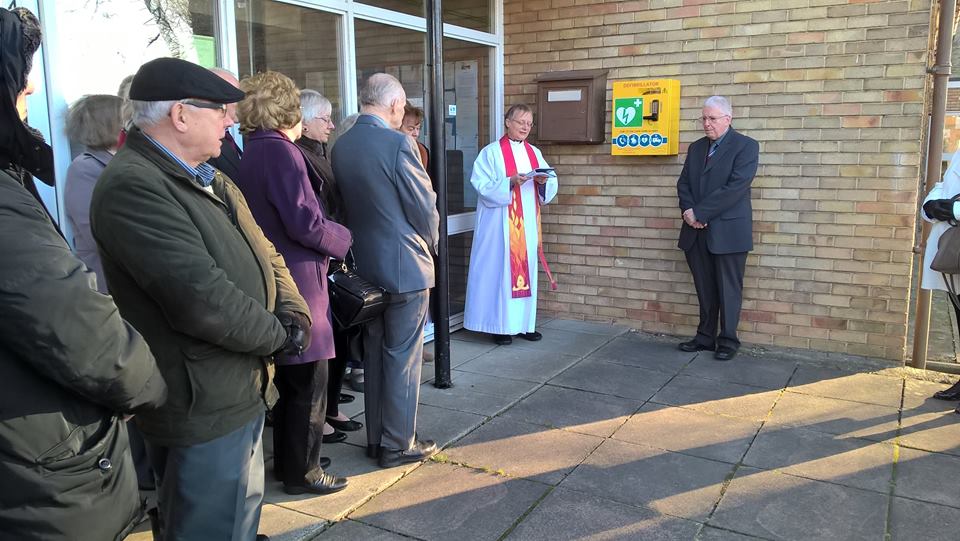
(317, 126)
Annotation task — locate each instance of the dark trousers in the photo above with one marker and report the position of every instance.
(211, 490)
(298, 418)
(718, 279)
(338, 367)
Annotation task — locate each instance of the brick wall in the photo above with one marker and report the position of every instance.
(832, 90)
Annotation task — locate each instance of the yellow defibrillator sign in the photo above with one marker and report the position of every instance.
(646, 118)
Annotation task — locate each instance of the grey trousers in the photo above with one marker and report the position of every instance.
(393, 357)
(212, 490)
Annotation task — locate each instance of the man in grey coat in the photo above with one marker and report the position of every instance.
(391, 209)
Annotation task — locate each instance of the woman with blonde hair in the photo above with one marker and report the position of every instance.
(278, 185)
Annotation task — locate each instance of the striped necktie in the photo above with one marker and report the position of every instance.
(713, 148)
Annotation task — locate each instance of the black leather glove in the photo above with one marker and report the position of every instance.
(940, 209)
(297, 326)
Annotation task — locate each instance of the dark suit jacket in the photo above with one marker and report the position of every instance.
(718, 191)
(229, 159)
(390, 206)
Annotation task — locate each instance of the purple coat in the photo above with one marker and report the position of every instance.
(276, 181)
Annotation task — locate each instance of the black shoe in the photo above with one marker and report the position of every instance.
(693, 345)
(346, 398)
(373, 450)
(326, 484)
(725, 353)
(502, 339)
(335, 437)
(420, 451)
(531, 336)
(347, 426)
(957, 411)
(261, 537)
(953, 393)
(278, 472)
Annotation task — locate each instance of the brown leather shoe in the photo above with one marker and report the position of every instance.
(420, 451)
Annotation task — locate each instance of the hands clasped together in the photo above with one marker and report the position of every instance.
(691, 219)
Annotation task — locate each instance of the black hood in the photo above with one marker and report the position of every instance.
(20, 145)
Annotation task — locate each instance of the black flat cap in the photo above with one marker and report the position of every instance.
(166, 79)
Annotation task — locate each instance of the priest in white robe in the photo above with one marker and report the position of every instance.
(507, 245)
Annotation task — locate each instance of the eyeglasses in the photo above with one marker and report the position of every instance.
(325, 119)
(711, 119)
(522, 124)
(222, 107)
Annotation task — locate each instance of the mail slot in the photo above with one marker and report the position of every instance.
(571, 107)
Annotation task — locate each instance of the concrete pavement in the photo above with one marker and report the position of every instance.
(598, 432)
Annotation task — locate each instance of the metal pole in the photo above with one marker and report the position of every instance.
(438, 171)
(941, 74)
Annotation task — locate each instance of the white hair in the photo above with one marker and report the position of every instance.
(314, 104)
(719, 102)
(150, 113)
(381, 90)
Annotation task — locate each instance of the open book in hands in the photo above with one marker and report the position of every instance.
(546, 172)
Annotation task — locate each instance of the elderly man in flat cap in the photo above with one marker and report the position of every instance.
(191, 270)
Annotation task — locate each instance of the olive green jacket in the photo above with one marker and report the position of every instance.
(69, 367)
(192, 271)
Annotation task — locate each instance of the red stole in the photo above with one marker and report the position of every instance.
(519, 266)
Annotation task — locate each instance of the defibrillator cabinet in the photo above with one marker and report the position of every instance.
(645, 118)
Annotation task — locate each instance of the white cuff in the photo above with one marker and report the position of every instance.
(956, 210)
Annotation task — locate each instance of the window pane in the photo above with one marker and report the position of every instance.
(951, 133)
(401, 53)
(459, 261)
(475, 14)
(118, 36)
(301, 43)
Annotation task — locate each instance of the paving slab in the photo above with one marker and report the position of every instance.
(570, 515)
(520, 363)
(523, 450)
(476, 393)
(918, 398)
(910, 520)
(366, 480)
(744, 369)
(441, 425)
(562, 341)
(444, 501)
(834, 416)
(633, 349)
(283, 524)
(461, 351)
(930, 477)
(689, 431)
(351, 530)
(588, 327)
(612, 379)
(931, 431)
(847, 461)
(717, 397)
(856, 387)
(775, 505)
(575, 410)
(667, 482)
(716, 534)
(466, 397)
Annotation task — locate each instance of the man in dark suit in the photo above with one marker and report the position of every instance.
(391, 209)
(228, 161)
(717, 230)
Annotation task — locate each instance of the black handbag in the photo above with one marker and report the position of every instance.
(353, 299)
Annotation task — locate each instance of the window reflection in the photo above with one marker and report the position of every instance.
(301, 43)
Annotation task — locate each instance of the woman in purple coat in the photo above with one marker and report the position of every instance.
(278, 186)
